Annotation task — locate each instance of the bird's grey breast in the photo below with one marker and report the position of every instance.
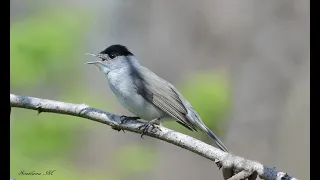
(122, 84)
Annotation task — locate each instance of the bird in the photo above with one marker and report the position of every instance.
(145, 94)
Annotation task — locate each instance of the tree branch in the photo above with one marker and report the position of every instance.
(244, 175)
(81, 110)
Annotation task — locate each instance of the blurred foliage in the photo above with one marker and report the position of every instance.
(43, 43)
(134, 159)
(40, 45)
(209, 94)
(46, 130)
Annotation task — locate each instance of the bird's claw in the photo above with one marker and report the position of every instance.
(118, 129)
(145, 128)
(124, 119)
(218, 163)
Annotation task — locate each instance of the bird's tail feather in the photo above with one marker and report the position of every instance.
(217, 140)
(194, 119)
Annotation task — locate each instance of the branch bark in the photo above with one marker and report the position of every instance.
(228, 161)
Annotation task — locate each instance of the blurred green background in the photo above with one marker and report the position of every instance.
(45, 49)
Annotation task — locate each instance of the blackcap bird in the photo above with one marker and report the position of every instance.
(145, 94)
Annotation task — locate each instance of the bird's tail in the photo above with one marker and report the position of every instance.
(217, 140)
(194, 119)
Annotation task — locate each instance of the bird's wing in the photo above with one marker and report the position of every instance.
(164, 95)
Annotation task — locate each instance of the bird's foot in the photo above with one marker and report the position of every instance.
(124, 119)
(146, 126)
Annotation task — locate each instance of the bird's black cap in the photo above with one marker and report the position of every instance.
(118, 50)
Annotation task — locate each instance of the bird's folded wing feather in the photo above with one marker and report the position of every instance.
(162, 94)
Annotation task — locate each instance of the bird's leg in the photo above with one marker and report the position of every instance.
(124, 119)
(145, 127)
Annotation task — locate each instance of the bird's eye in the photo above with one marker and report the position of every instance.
(112, 56)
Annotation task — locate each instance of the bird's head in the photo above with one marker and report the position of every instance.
(114, 57)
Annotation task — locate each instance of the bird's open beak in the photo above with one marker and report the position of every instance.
(92, 62)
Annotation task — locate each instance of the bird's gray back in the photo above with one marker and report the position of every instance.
(169, 99)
